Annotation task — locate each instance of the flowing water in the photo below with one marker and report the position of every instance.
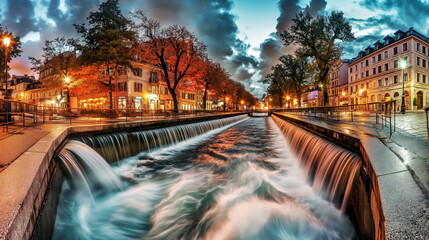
(239, 181)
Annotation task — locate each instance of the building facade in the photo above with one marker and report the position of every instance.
(338, 89)
(375, 75)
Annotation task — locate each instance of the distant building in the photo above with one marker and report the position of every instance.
(313, 97)
(375, 74)
(338, 94)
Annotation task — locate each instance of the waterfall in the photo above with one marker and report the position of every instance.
(86, 169)
(330, 168)
(117, 146)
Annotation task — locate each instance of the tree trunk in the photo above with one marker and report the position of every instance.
(281, 99)
(205, 99)
(175, 102)
(110, 92)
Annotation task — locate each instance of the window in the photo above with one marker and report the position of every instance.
(153, 77)
(361, 75)
(395, 64)
(122, 87)
(351, 70)
(405, 77)
(367, 73)
(138, 72)
(386, 67)
(395, 50)
(380, 83)
(351, 89)
(374, 71)
(386, 54)
(418, 61)
(405, 47)
(367, 85)
(154, 90)
(366, 63)
(191, 96)
(351, 78)
(356, 67)
(418, 77)
(138, 87)
(373, 59)
(395, 79)
(164, 91)
(423, 49)
(386, 81)
(418, 47)
(424, 78)
(361, 65)
(356, 78)
(379, 57)
(424, 63)
(379, 69)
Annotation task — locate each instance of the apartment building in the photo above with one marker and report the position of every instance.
(375, 75)
(338, 89)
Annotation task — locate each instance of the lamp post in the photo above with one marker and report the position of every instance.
(288, 101)
(403, 66)
(6, 43)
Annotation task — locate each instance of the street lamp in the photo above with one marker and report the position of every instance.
(288, 102)
(403, 66)
(6, 43)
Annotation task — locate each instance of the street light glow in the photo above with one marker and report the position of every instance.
(403, 64)
(344, 93)
(6, 41)
(226, 99)
(287, 97)
(67, 79)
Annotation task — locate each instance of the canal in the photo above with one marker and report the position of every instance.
(239, 181)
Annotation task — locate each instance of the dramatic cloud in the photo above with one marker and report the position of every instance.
(272, 48)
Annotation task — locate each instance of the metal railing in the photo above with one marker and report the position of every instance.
(427, 120)
(383, 113)
(12, 112)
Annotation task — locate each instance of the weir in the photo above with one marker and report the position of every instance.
(334, 173)
(330, 169)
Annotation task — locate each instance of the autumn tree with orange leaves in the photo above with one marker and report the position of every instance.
(174, 49)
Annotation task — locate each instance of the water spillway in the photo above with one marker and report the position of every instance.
(241, 178)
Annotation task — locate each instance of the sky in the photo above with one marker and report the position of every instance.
(240, 34)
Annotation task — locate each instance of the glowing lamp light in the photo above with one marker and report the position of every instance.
(22, 94)
(360, 91)
(226, 99)
(242, 102)
(67, 79)
(344, 93)
(403, 64)
(6, 41)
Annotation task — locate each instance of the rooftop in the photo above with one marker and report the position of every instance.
(389, 40)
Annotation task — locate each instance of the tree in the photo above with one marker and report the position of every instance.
(107, 41)
(174, 49)
(296, 70)
(13, 51)
(59, 56)
(211, 74)
(316, 38)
